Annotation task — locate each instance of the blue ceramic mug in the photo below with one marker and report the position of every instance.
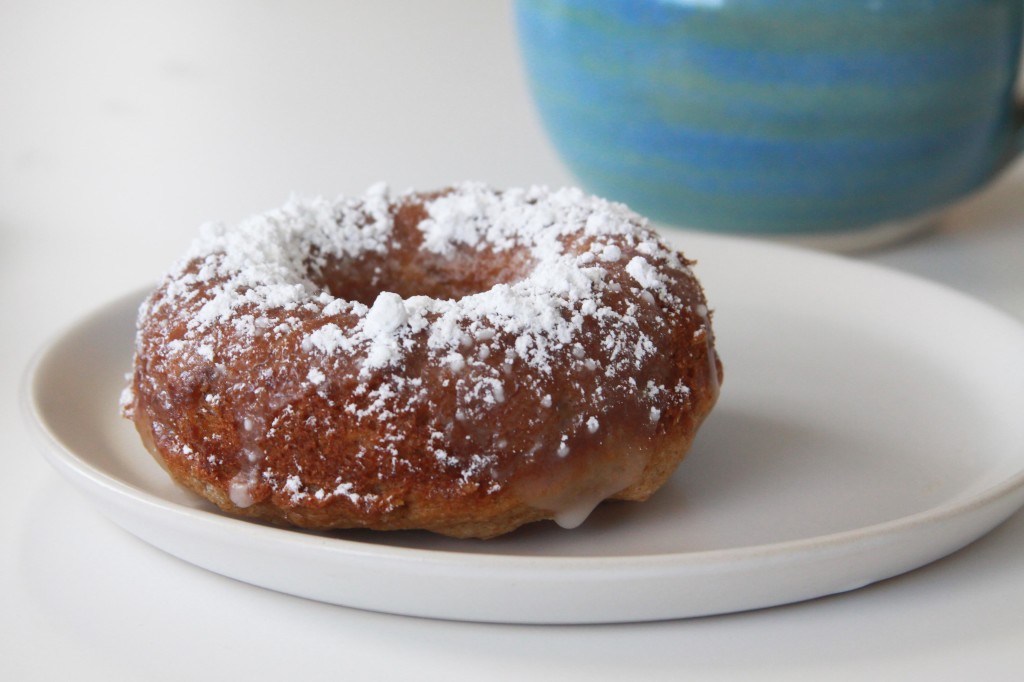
(840, 118)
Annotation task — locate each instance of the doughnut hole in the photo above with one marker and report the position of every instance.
(407, 271)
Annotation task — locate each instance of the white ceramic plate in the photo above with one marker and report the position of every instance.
(869, 423)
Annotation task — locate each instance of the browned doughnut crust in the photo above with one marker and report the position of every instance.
(462, 362)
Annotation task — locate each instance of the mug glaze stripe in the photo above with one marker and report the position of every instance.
(787, 116)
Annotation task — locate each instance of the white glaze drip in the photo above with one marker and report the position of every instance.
(240, 489)
(573, 515)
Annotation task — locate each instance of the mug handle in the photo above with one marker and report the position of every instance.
(1018, 125)
(1018, 109)
(1018, 106)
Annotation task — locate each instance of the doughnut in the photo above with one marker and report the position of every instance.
(463, 361)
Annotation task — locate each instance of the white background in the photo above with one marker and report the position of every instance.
(124, 125)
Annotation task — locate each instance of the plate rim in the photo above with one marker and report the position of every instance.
(94, 480)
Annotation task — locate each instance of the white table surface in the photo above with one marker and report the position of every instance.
(124, 125)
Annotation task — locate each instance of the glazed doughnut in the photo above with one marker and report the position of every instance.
(465, 361)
